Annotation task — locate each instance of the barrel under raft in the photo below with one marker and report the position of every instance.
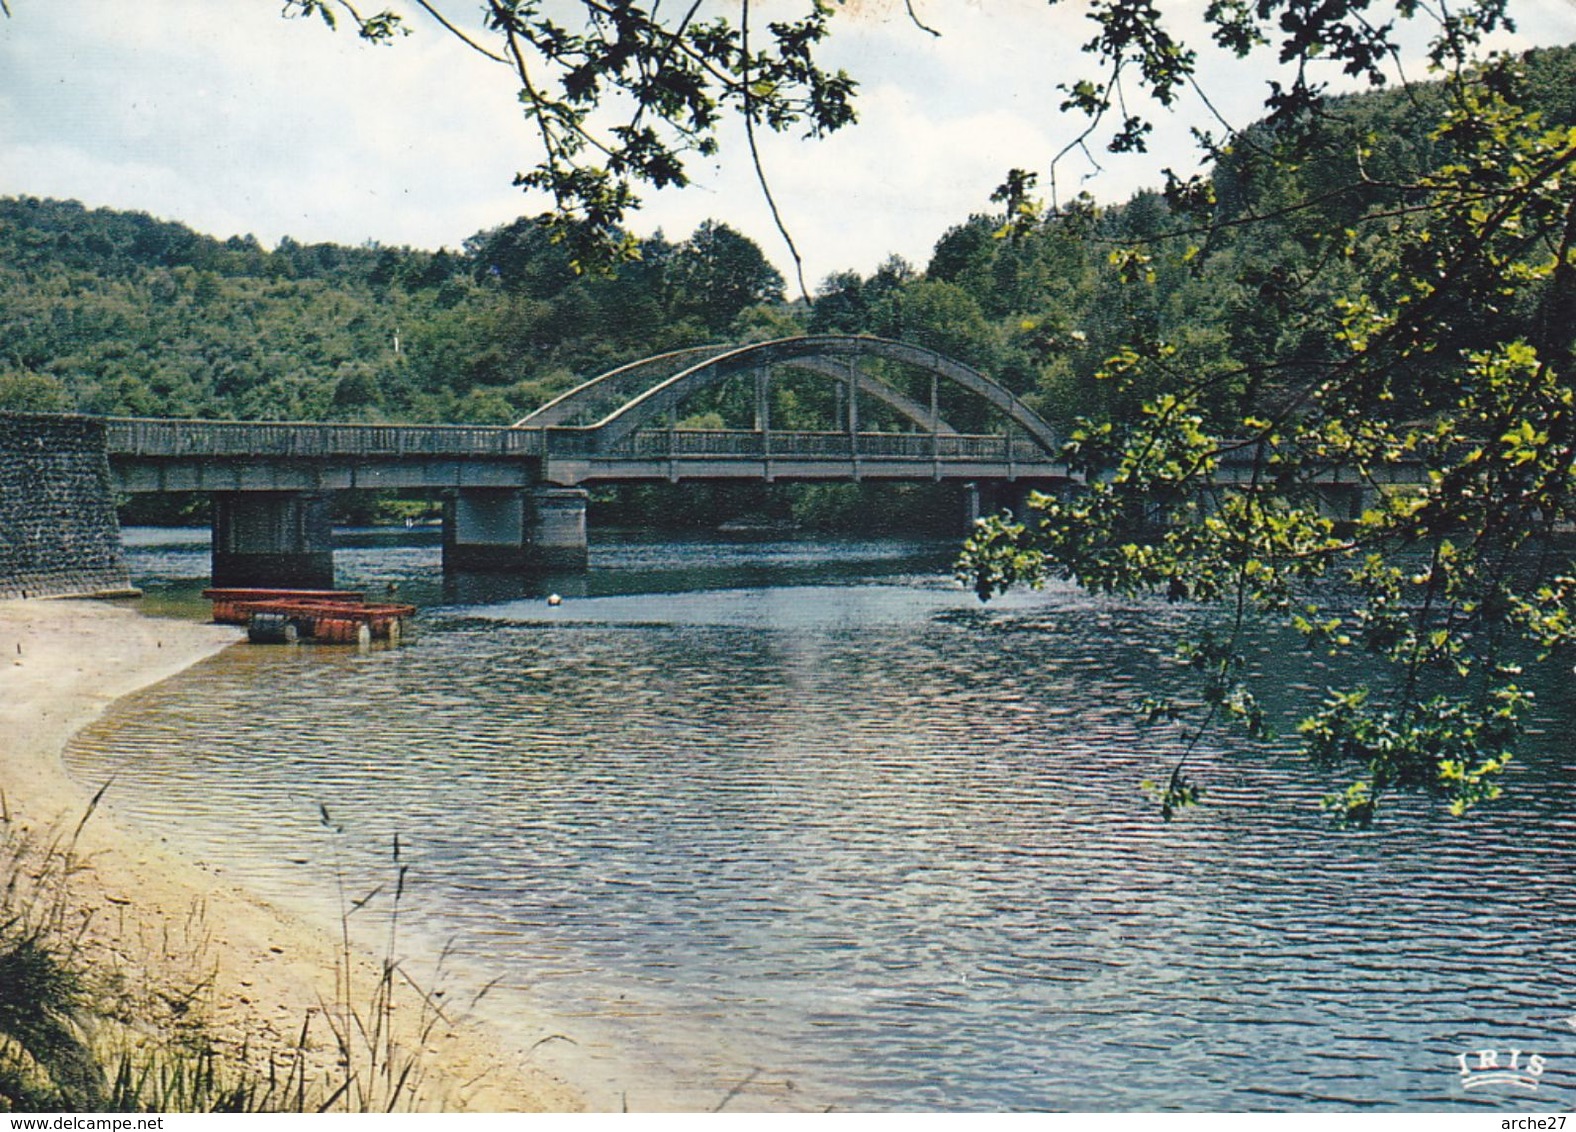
(272, 629)
(329, 622)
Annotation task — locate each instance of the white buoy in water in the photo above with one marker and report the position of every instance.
(554, 599)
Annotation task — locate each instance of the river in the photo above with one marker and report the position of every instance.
(796, 823)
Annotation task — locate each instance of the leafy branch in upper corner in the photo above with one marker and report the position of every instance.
(1380, 456)
(622, 94)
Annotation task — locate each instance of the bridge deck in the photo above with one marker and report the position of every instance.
(150, 455)
(176, 439)
(166, 455)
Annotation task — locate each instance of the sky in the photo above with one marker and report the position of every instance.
(226, 117)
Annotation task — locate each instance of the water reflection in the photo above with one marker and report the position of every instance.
(172, 564)
(875, 841)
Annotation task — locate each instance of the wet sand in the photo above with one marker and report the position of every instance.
(252, 972)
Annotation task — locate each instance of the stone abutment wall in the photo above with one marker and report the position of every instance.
(58, 531)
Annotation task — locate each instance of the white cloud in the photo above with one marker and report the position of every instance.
(232, 120)
(242, 121)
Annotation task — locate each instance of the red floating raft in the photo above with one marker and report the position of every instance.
(283, 616)
(228, 604)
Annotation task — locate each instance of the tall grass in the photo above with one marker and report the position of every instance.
(45, 1059)
(381, 1064)
(75, 1036)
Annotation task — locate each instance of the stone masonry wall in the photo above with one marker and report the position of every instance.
(58, 532)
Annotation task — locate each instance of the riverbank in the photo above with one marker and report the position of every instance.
(174, 931)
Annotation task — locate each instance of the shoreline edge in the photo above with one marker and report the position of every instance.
(63, 663)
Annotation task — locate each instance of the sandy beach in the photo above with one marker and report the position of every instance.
(167, 924)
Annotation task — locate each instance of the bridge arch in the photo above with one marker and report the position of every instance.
(636, 395)
(594, 398)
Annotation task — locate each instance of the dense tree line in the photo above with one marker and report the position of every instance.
(118, 313)
(1053, 308)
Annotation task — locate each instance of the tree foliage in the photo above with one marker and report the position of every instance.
(621, 93)
(118, 313)
(1394, 324)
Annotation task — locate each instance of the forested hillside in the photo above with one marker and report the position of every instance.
(1216, 274)
(113, 312)
(119, 313)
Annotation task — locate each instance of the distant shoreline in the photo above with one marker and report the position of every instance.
(62, 665)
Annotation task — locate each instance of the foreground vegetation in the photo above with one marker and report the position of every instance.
(1400, 282)
(74, 1037)
(85, 1031)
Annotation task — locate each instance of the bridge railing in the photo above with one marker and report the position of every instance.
(177, 439)
(133, 436)
(744, 444)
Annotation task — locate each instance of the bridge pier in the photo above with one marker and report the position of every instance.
(276, 539)
(973, 506)
(1345, 502)
(981, 499)
(503, 530)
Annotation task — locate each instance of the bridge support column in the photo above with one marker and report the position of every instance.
(557, 527)
(972, 506)
(507, 530)
(1345, 502)
(992, 498)
(1014, 497)
(273, 539)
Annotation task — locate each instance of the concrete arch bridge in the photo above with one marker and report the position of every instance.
(515, 497)
(874, 423)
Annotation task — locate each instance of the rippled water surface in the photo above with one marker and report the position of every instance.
(800, 816)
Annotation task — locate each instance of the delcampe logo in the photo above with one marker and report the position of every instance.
(1485, 1068)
